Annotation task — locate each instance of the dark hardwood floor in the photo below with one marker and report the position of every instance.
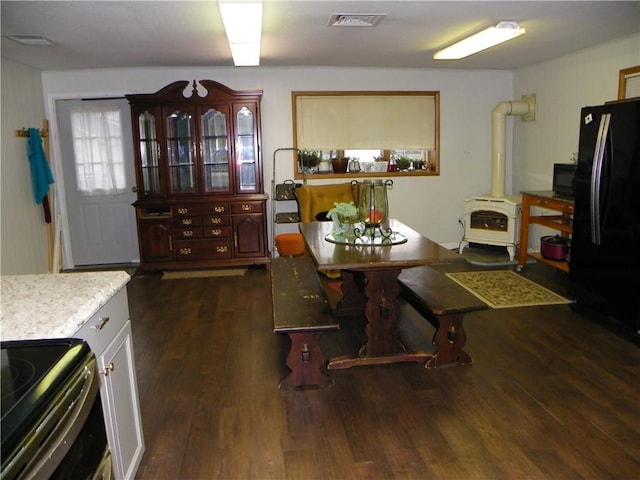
(551, 394)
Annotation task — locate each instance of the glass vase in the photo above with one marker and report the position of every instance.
(373, 208)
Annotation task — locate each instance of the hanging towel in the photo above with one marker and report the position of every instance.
(41, 175)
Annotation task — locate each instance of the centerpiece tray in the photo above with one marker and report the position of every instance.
(378, 239)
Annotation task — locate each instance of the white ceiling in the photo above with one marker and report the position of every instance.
(114, 34)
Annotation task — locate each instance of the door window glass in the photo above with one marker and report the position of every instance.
(98, 150)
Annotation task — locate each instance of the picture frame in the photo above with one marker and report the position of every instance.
(629, 83)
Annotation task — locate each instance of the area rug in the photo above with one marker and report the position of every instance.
(505, 288)
(218, 272)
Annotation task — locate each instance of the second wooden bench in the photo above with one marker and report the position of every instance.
(301, 311)
(443, 303)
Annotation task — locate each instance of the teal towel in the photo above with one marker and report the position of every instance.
(41, 175)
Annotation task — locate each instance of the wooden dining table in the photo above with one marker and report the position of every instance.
(370, 273)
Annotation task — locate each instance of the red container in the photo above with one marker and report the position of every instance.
(554, 247)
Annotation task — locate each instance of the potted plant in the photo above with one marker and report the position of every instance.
(345, 217)
(340, 165)
(309, 160)
(403, 163)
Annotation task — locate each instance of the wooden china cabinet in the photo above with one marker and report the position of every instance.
(201, 201)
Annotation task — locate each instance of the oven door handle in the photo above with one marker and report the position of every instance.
(64, 423)
(104, 471)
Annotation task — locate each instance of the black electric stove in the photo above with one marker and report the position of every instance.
(33, 372)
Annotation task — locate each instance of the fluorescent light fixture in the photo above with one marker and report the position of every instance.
(492, 36)
(243, 24)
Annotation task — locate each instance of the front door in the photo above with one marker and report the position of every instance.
(97, 143)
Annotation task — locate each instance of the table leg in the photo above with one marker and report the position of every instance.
(382, 311)
(524, 232)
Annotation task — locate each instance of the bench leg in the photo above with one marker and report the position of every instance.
(306, 361)
(448, 341)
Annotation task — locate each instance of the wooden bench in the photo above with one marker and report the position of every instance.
(301, 311)
(443, 303)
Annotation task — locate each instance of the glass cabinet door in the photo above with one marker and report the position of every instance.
(215, 151)
(149, 154)
(180, 152)
(246, 150)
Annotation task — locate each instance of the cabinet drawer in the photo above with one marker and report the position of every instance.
(216, 232)
(187, 222)
(103, 326)
(560, 206)
(201, 209)
(246, 207)
(187, 233)
(216, 220)
(210, 249)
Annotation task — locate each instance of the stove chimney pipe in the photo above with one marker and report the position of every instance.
(499, 142)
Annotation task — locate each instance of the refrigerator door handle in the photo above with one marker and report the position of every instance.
(596, 178)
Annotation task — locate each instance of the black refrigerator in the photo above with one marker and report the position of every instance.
(605, 245)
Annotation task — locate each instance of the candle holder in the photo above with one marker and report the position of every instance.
(373, 211)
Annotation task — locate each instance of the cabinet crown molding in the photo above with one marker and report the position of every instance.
(200, 90)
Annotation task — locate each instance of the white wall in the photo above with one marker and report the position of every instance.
(562, 87)
(23, 232)
(431, 205)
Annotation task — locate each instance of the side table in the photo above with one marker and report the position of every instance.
(562, 222)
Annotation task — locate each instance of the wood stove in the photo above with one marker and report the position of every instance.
(492, 221)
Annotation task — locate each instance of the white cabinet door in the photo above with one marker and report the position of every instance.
(108, 333)
(119, 394)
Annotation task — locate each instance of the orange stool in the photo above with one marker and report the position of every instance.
(290, 244)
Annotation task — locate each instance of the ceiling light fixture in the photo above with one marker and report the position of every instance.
(243, 25)
(492, 36)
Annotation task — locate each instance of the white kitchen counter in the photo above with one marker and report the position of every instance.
(53, 305)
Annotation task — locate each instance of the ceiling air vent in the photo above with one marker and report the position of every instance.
(355, 19)
(31, 40)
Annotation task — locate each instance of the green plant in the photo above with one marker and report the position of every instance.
(308, 158)
(403, 163)
(343, 212)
